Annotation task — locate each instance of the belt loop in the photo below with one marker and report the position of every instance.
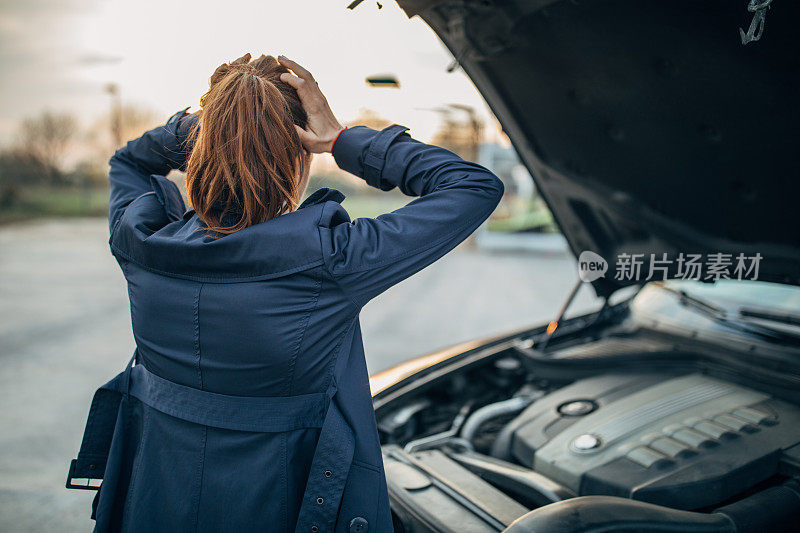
(126, 375)
(332, 389)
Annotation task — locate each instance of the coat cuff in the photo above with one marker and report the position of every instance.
(168, 196)
(179, 126)
(362, 151)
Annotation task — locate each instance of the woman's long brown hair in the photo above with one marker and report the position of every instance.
(246, 157)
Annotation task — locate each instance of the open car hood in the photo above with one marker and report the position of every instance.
(648, 126)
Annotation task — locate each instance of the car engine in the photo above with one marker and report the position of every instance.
(685, 442)
(670, 438)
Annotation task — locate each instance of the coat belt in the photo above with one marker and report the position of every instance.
(332, 457)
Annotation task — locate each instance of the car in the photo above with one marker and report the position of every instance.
(663, 137)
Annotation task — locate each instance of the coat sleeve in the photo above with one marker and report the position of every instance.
(155, 153)
(367, 256)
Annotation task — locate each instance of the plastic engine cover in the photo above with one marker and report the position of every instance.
(685, 442)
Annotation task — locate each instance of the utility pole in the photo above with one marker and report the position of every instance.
(116, 114)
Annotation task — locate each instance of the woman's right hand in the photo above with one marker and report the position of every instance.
(323, 127)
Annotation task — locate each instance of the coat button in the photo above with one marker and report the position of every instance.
(359, 525)
(314, 529)
(328, 473)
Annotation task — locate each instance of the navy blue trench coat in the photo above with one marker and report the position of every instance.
(247, 404)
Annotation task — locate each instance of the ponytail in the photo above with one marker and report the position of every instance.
(246, 158)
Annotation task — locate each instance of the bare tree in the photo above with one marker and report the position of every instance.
(370, 118)
(18, 169)
(135, 120)
(46, 139)
(125, 122)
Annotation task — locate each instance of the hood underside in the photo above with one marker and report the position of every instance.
(648, 126)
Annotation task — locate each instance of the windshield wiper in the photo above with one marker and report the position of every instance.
(740, 323)
(763, 314)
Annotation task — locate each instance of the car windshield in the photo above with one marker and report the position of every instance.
(733, 295)
(768, 311)
(764, 309)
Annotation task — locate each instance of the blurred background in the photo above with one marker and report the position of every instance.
(81, 77)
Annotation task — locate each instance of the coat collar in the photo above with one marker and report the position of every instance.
(152, 236)
(323, 195)
(320, 196)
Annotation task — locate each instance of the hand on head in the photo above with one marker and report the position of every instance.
(323, 127)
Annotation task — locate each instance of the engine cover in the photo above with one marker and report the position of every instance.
(682, 441)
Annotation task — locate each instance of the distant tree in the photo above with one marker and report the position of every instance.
(88, 173)
(133, 120)
(370, 118)
(19, 169)
(45, 139)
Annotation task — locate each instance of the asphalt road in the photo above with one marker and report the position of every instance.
(65, 330)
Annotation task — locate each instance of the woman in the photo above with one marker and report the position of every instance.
(248, 406)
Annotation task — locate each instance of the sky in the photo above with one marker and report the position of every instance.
(61, 54)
